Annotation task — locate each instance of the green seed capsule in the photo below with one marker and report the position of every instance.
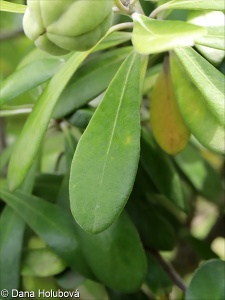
(61, 26)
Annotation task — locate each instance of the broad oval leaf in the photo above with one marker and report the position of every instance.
(206, 78)
(190, 5)
(196, 114)
(105, 162)
(166, 121)
(28, 77)
(12, 229)
(55, 226)
(200, 173)
(154, 36)
(23, 157)
(116, 255)
(207, 282)
(160, 169)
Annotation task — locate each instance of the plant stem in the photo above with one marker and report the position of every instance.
(18, 111)
(138, 8)
(122, 7)
(159, 9)
(121, 26)
(175, 277)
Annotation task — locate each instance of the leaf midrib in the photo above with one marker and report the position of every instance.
(111, 139)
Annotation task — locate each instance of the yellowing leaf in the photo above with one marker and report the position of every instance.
(167, 124)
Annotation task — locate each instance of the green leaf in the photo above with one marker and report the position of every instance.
(151, 76)
(41, 263)
(213, 21)
(214, 56)
(102, 178)
(81, 117)
(69, 279)
(12, 7)
(5, 156)
(190, 5)
(92, 78)
(161, 170)
(166, 120)
(199, 172)
(23, 157)
(28, 77)
(11, 234)
(214, 38)
(36, 285)
(207, 282)
(114, 295)
(202, 247)
(155, 231)
(154, 36)
(92, 290)
(200, 120)
(207, 79)
(157, 279)
(47, 186)
(116, 255)
(114, 39)
(55, 226)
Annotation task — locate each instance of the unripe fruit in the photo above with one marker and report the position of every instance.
(60, 26)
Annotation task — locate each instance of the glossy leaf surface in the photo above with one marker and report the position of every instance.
(11, 237)
(166, 121)
(101, 179)
(207, 79)
(202, 123)
(116, 255)
(154, 36)
(55, 226)
(207, 282)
